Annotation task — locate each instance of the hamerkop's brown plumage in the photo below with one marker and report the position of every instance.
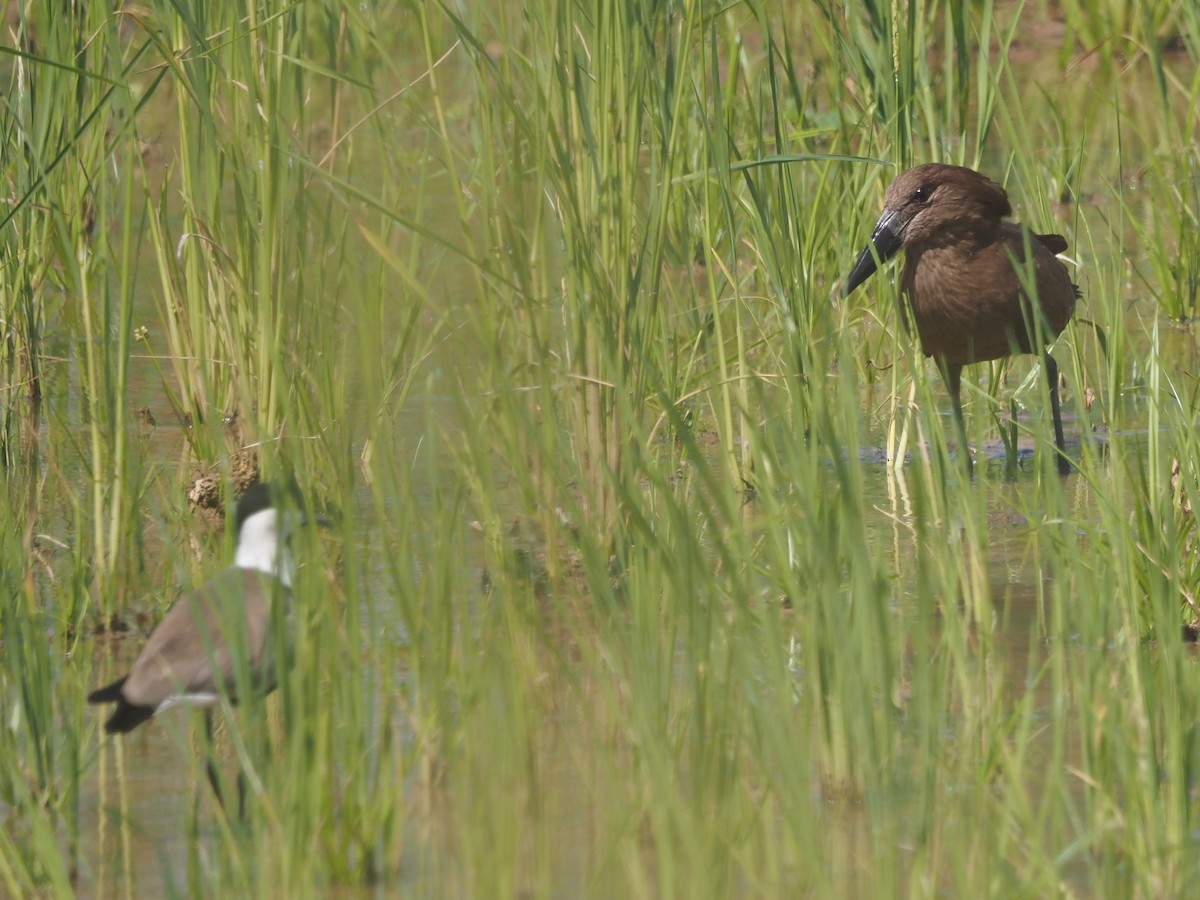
(965, 275)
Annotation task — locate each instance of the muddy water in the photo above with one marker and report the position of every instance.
(167, 792)
(169, 789)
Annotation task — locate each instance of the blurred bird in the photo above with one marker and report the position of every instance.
(219, 629)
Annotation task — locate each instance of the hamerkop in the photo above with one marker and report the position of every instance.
(966, 274)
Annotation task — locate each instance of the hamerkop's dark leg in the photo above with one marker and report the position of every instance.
(1064, 463)
(953, 378)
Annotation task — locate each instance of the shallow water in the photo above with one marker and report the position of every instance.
(171, 818)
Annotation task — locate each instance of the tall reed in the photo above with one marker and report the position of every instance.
(658, 572)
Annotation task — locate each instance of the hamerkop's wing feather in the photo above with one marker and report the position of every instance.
(974, 308)
(1055, 243)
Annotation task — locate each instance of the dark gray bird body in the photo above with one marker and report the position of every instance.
(190, 656)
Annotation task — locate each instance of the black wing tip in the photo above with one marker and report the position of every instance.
(110, 693)
(127, 717)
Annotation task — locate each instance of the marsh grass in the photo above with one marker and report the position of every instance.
(659, 572)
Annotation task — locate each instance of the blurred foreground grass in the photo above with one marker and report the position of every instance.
(658, 576)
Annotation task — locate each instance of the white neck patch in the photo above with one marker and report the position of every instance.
(262, 545)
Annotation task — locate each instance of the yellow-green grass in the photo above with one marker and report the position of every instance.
(657, 574)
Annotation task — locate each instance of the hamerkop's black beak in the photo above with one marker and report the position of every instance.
(885, 243)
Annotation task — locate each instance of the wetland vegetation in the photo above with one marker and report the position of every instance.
(659, 573)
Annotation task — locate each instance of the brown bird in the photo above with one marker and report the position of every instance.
(965, 276)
